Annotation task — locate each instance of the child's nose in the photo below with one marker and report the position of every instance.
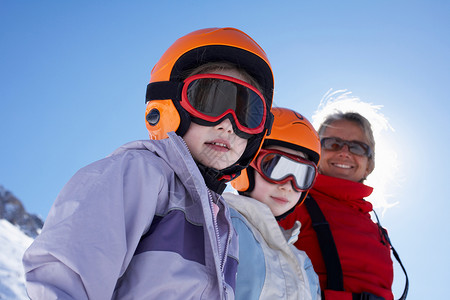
(225, 125)
(287, 186)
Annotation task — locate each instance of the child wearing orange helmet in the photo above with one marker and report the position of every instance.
(277, 181)
(149, 221)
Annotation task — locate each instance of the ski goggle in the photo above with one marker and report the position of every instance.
(213, 97)
(280, 167)
(355, 147)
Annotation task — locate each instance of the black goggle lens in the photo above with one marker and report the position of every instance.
(213, 97)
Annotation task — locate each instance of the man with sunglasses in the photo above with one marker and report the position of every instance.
(278, 180)
(348, 250)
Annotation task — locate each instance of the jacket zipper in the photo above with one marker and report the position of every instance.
(221, 257)
(216, 229)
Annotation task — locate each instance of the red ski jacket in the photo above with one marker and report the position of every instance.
(363, 252)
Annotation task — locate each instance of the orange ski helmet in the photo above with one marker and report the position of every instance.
(291, 130)
(163, 111)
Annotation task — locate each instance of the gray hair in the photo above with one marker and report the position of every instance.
(359, 120)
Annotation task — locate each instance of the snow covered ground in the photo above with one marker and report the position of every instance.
(13, 244)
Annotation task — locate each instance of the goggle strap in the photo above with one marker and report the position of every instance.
(269, 122)
(162, 90)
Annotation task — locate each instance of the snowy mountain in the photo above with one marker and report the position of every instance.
(11, 209)
(13, 243)
(17, 231)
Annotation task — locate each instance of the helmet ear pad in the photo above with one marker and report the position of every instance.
(163, 116)
(245, 183)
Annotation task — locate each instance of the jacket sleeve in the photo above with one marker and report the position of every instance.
(313, 279)
(93, 228)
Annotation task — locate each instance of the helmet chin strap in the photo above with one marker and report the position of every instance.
(213, 178)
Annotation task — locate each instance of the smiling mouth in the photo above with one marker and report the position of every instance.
(218, 146)
(342, 166)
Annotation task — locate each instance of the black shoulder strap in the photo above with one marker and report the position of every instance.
(335, 278)
(397, 257)
(330, 255)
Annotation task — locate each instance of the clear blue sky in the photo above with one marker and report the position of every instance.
(73, 76)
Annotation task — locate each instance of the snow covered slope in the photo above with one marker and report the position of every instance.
(13, 243)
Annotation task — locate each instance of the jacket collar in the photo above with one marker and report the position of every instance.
(348, 191)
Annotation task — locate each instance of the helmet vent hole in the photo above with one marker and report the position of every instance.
(153, 117)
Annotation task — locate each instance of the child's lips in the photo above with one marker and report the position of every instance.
(219, 145)
(280, 200)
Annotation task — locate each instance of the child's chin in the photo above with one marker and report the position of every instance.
(219, 165)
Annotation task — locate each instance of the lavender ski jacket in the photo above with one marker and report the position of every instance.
(135, 225)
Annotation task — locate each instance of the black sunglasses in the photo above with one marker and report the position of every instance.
(355, 147)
